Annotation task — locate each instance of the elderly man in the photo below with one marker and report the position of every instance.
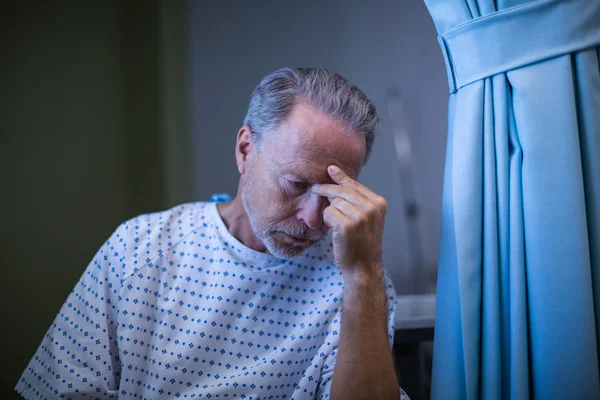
(276, 294)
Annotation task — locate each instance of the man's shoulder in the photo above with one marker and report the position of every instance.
(139, 241)
(172, 222)
(146, 235)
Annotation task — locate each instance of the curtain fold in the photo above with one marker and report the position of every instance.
(518, 299)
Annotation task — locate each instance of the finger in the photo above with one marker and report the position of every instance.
(348, 209)
(335, 219)
(332, 192)
(342, 179)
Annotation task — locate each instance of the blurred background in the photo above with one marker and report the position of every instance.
(110, 109)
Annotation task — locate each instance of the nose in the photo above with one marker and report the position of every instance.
(311, 210)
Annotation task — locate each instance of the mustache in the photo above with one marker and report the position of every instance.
(302, 232)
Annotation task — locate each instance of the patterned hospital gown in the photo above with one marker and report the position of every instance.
(173, 306)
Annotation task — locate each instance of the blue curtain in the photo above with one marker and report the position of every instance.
(518, 295)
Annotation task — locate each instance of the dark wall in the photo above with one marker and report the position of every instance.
(81, 150)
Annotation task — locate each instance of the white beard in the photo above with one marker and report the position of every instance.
(265, 233)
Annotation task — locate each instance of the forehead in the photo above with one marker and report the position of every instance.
(308, 141)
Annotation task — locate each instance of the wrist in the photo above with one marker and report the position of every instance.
(365, 297)
(363, 282)
(363, 275)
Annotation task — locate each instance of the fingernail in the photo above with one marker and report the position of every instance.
(316, 186)
(333, 168)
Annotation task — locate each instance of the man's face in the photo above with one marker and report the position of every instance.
(276, 188)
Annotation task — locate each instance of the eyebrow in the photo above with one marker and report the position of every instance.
(307, 178)
(301, 176)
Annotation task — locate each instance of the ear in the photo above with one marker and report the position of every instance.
(244, 147)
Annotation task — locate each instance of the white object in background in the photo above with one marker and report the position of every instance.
(407, 173)
(415, 311)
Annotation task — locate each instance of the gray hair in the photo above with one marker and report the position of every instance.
(273, 99)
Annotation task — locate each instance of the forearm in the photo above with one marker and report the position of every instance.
(364, 367)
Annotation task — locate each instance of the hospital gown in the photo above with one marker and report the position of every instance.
(173, 306)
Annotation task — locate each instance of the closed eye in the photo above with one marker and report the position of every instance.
(299, 185)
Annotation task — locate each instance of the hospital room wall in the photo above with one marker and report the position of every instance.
(90, 92)
(376, 45)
